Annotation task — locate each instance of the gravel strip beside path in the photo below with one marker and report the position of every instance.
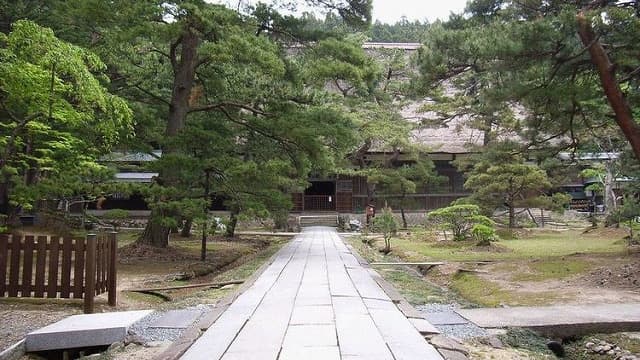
(457, 331)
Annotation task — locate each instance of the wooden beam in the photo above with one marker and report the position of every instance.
(215, 284)
(407, 263)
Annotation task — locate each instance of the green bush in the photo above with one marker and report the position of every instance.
(483, 234)
(387, 225)
(627, 214)
(114, 216)
(460, 219)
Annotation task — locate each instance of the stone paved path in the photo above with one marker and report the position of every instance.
(315, 301)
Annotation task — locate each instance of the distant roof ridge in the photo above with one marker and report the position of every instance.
(374, 45)
(391, 45)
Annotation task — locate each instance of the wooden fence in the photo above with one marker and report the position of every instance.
(54, 267)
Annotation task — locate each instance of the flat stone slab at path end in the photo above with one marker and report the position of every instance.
(560, 321)
(445, 318)
(176, 319)
(86, 330)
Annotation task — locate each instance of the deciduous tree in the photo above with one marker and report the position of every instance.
(56, 114)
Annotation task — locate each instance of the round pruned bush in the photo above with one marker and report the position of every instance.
(483, 234)
(459, 219)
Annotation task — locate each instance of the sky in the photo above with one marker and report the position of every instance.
(390, 11)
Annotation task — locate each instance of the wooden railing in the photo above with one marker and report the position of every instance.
(319, 203)
(54, 267)
(411, 202)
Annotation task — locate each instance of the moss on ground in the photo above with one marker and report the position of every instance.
(552, 269)
(487, 293)
(410, 283)
(527, 340)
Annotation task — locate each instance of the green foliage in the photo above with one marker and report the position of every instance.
(386, 223)
(114, 216)
(598, 173)
(560, 202)
(250, 118)
(403, 31)
(522, 71)
(371, 90)
(498, 178)
(483, 234)
(355, 13)
(460, 219)
(344, 63)
(57, 116)
(628, 214)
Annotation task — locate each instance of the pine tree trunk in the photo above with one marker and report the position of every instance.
(184, 70)
(154, 234)
(233, 222)
(371, 189)
(512, 216)
(10, 211)
(186, 228)
(5, 207)
(402, 214)
(610, 202)
(606, 70)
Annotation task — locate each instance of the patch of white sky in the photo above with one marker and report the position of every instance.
(387, 11)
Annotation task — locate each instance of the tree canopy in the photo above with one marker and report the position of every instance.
(57, 114)
(529, 70)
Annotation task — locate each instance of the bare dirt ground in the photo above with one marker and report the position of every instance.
(611, 280)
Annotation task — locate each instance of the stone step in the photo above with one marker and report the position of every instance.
(87, 330)
(318, 220)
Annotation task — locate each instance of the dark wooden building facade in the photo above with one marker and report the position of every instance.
(346, 194)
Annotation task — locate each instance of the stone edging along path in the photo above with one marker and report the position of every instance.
(193, 332)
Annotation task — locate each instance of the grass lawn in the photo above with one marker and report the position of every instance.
(531, 245)
(534, 257)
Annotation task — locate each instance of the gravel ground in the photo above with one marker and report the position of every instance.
(15, 324)
(437, 308)
(143, 333)
(461, 332)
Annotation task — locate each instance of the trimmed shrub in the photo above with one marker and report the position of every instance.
(483, 234)
(459, 219)
(387, 225)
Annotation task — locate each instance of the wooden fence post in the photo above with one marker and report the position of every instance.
(112, 276)
(4, 252)
(90, 274)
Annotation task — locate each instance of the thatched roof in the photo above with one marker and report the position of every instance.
(456, 137)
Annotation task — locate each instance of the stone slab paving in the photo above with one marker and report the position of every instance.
(445, 318)
(84, 331)
(176, 319)
(565, 320)
(315, 301)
